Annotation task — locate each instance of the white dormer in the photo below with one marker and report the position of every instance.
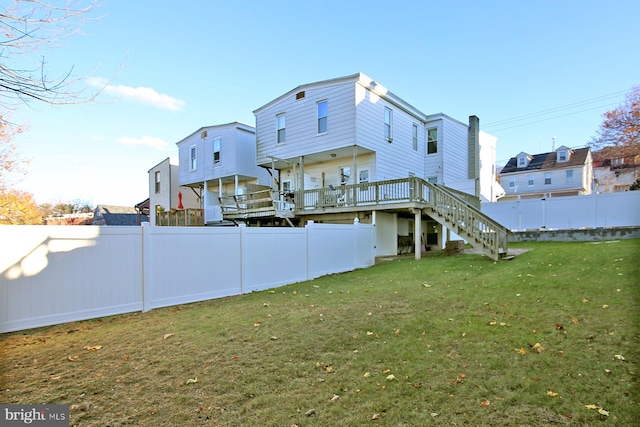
(523, 160)
(563, 154)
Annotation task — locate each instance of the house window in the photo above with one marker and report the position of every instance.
(415, 137)
(216, 150)
(363, 175)
(522, 162)
(432, 180)
(531, 180)
(286, 186)
(193, 158)
(280, 125)
(547, 178)
(157, 181)
(569, 176)
(512, 182)
(345, 174)
(322, 116)
(562, 156)
(388, 124)
(432, 141)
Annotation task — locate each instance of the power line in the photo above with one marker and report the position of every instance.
(551, 118)
(553, 110)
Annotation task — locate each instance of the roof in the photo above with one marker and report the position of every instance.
(547, 161)
(116, 215)
(238, 125)
(359, 78)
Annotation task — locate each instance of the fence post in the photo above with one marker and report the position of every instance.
(146, 266)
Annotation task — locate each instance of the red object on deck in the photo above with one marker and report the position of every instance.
(180, 201)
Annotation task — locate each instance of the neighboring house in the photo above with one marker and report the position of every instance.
(563, 172)
(220, 161)
(614, 173)
(117, 215)
(165, 193)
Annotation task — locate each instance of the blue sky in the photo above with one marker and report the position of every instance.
(173, 67)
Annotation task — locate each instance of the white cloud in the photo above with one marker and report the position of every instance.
(149, 141)
(144, 95)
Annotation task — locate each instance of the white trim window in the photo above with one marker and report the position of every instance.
(281, 128)
(193, 158)
(512, 183)
(531, 180)
(388, 124)
(157, 176)
(522, 162)
(216, 151)
(432, 141)
(569, 176)
(414, 137)
(323, 115)
(363, 175)
(547, 178)
(563, 156)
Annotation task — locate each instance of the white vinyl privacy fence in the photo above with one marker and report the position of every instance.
(57, 274)
(569, 212)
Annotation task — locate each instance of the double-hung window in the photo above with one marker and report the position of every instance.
(388, 124)
(547, 178)
(193, 158)
(216, 151)
(323, 112)
(414, 137)
(569, 176)
(531, 180)
(432, 141)
(280, 126)
(157, 175)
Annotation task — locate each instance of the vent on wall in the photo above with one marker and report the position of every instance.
(300, 95)
(203, 135)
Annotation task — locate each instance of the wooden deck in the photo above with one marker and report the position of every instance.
(440, 203)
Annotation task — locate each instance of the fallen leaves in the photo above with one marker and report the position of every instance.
(600, 409)
(485, 403)
(552, 393)
(192, 380)
(165, 336)
(537, 348)
(619, 357)
(92, 348)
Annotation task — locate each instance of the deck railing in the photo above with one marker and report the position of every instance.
(364, 194)
(180, 217)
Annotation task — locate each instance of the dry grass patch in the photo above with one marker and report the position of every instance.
(444, 340)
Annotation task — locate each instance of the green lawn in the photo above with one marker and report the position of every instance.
(456, 340)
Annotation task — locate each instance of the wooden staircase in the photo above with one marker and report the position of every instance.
(467, 221)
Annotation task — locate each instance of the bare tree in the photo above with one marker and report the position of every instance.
(26, 28)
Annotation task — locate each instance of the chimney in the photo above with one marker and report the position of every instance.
(474, 152)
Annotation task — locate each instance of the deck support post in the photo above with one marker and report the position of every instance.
(417, 232)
